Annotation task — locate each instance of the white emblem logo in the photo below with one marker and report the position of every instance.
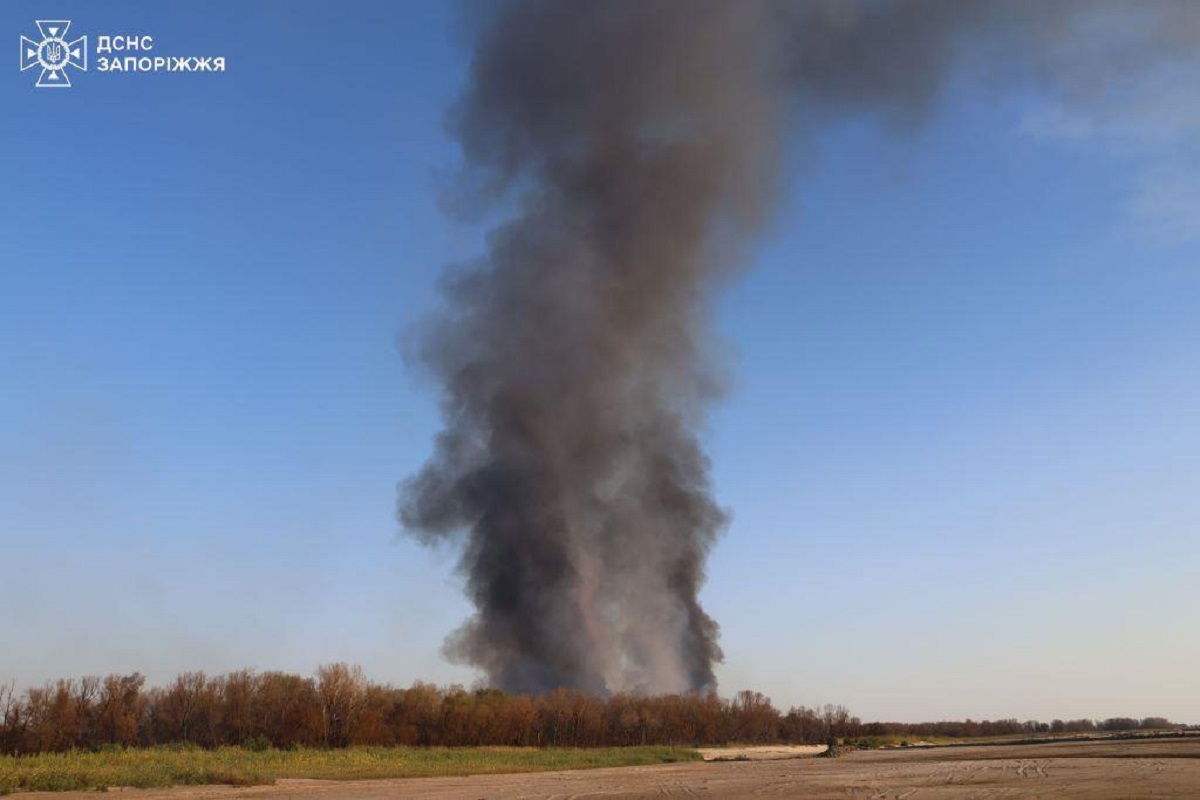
(54, 53)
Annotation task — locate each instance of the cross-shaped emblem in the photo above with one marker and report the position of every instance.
(54, 53)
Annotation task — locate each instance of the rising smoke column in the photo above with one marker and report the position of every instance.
(635, 146)
(638, 145)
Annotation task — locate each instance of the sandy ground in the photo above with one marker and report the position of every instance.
(1163, 768)
(766, 752)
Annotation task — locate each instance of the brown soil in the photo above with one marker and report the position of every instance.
(1103, 769)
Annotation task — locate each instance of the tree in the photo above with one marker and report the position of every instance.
(342, 689)
(121, 709)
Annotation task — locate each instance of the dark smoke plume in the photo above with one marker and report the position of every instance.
(637, 146)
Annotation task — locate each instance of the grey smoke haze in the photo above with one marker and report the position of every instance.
(640, 145)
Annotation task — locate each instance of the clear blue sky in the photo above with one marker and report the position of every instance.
(960, 449)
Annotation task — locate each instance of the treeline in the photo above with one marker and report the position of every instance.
(969, 728)
(339, 707)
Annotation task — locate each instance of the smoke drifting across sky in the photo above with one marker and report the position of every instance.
(640, 144)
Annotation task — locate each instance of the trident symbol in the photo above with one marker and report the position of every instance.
(54, 53)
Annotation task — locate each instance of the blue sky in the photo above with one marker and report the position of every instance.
(959, 448)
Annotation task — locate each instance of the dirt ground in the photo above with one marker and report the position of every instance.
(1162, 768)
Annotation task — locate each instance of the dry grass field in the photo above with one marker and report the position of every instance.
(164, 767)
(1099, 769)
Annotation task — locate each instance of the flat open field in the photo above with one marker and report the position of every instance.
(165, 767)
(1104, 769)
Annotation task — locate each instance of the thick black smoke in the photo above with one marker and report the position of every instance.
(637, 146)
